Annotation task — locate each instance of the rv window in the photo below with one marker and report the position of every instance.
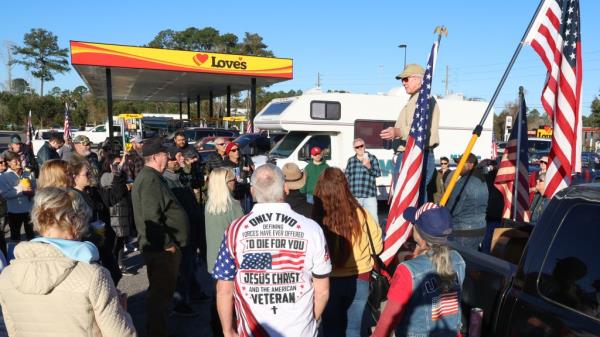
(369, 131)
(276, 108)
(288, 144)
(322, 141)
(325, 110)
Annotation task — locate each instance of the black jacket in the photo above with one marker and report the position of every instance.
(298, 203)
(160, 219)
(46, 153)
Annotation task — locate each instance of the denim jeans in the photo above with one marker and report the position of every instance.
(429, 160)
(344, 311)
(370, 205)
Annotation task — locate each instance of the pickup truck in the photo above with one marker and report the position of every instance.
(541, 280)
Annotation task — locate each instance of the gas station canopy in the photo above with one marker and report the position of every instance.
(151, 74)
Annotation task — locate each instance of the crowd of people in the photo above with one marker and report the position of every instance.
(291, 251)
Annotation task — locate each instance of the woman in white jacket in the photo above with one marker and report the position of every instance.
(55, 286)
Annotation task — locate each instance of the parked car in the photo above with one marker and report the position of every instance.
(195, 134)
(99, 134)
(542, 280)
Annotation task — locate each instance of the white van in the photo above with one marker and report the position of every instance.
(333, 120)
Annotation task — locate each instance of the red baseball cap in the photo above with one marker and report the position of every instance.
(315, 151)
(231, 146)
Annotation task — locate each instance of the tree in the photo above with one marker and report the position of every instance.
(228, 43)
(20, 86)
(164, 39)
(253, 45)
(42, 56)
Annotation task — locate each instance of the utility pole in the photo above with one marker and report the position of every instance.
(318, 80)
(446, 84)
(9, 63)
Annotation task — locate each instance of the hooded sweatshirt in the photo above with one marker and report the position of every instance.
(53, 288)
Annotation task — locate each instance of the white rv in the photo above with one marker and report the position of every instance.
(332, 120)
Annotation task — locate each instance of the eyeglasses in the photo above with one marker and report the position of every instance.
(359, 146)
(443, 163)
(233, 150)
(543, 162)
(219, 144)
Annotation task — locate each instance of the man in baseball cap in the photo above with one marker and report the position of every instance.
(312, 172)
(412, 80)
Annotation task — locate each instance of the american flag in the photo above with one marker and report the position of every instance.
(505, 179)
(494, 152)
(29, 134)
(406, 191)
(281, 260)
(555, 37)
(444, 305)
(67, 125)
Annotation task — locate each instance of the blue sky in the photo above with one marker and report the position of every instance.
(353, 45)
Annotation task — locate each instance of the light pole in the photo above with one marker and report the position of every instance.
(404, 47)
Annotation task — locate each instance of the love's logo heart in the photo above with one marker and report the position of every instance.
(200, 58)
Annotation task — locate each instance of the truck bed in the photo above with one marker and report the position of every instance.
(486, 277)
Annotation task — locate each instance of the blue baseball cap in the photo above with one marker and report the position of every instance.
(433, 222)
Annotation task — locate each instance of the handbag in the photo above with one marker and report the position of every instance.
(379, 282)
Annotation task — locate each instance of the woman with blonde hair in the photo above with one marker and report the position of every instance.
(425, 295)
(54, 173)
(220, 210)
(349, 230)
(54, 286)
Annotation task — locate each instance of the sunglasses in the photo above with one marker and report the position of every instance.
(543, 162)
(219, 144)
(233, 150)
(444, 163)
(359, 146)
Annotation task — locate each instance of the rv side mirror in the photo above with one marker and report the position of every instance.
(303, 154)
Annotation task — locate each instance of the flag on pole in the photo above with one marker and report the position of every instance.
(406, 191)
(494, 153)
(507, 171)
(555, 37)
(67, 124)
(29, 134)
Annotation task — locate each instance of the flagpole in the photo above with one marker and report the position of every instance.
(518, 159)
(479, 127)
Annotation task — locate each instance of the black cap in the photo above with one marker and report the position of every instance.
(153, 146)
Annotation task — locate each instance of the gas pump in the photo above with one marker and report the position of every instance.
(131, 124)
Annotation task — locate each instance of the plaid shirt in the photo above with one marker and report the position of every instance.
(134, 163)
(362, 180)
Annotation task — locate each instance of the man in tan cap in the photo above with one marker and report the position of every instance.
(294, 181)
(412, 79)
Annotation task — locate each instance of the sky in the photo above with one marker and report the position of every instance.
(352, 45)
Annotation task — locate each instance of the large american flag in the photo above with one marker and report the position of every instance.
(555, 37)
(505, 179)
(406, 191)
(67, 125)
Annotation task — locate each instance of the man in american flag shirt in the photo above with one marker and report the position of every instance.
(272, 268)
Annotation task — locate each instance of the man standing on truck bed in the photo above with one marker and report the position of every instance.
(412, 79)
